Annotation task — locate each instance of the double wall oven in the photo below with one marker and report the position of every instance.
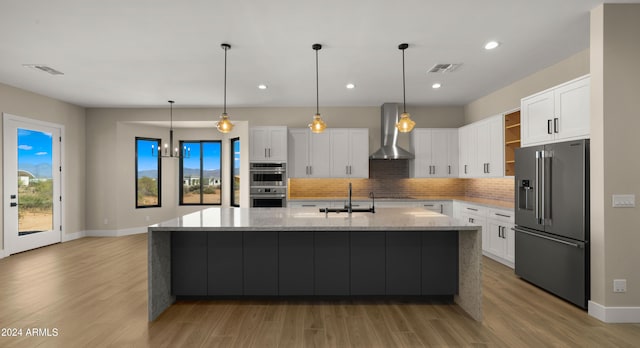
(268, 184)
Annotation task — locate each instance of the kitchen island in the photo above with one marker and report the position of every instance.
(234, 252)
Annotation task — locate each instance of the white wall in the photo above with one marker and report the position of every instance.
(31, 105)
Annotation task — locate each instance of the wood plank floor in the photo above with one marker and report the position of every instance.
(94, 292)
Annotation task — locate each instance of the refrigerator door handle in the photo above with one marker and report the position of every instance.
(537, 183)
(576, 245)
(542, 188)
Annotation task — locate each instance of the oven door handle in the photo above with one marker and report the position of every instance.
(268, 196)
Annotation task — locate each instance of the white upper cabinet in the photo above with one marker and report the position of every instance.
(268, 144)
(558, 114)
(436, 153)
(482, 148)
(309, 154)
(349, 152)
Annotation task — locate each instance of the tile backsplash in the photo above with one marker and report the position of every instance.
(499, 189)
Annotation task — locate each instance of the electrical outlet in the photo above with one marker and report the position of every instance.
(619, 285)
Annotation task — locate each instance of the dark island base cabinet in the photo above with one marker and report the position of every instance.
(225, 264)
(331, 263)
(295, 263)
(336, 263)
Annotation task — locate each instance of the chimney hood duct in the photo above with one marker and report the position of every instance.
(390, 150)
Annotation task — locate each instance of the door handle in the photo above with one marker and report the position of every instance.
(488, 168)
(549, 126)
(465, 169)
(555, 125)
(449, 169)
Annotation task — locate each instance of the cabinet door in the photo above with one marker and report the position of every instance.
(295, 263)
(277, 149)
(339, 152)
(260, 263)
(359, 153)
(189, 263)
(320, 154)
(298, 163)
(403, 263)
(440, 153)
(421, 148)
(259, 144)
(537, 114)
(495, 166)
(439, 263)
(331, 263)
(453, 160)
(224, 263)
(572, 107)
(509, 235)
(483, 146)
(468, 151)
(495, 243)
(368, 263)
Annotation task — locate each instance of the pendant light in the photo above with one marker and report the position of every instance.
(173, 151)
(318, 125)
(405, 124)
(225, 125)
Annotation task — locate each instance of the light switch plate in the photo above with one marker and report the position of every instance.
(624, 201)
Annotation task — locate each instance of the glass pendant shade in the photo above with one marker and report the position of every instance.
(318, 125)
(405, 124)
(224, 125)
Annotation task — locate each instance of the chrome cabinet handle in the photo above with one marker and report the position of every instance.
(474, 209)
(449, 169)
(549, 126)
(555, 125)
(488, 168)
(503, 215)
(465, 169)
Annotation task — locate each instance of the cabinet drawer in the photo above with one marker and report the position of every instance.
(501, 215)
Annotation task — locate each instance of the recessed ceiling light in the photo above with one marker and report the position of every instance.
(436, 85)
(351, 86)
(262, 86)
(491, 45)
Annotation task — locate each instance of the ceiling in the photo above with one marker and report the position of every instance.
(124, 53)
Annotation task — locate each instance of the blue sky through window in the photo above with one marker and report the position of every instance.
(35, 152)
(146, 160)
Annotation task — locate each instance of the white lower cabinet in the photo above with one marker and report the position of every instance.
(442, 207)
(498, 238)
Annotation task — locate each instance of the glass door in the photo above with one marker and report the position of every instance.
(32, 212)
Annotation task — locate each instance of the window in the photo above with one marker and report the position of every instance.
(235, 172)
(200, 173)
(148, 173)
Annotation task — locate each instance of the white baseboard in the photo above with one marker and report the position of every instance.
(2, 254)
(115, 233)
(72, 236)
(614, 314)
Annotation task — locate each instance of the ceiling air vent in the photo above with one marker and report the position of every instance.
(444, 68)
(44, 68)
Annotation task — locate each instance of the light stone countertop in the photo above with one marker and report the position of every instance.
(310, 219)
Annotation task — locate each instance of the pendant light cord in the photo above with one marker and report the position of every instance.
(404, 93)
(225, 79)
(317, 87)
(171, 115)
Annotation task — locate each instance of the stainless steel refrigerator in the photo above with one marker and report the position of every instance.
(552, 218)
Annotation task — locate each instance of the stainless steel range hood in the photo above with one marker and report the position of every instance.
(390, 150)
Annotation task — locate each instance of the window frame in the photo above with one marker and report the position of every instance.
(232, 195)
(158, 180)
(181, 174)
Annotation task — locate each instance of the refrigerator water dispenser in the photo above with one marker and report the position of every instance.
(525, 195)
